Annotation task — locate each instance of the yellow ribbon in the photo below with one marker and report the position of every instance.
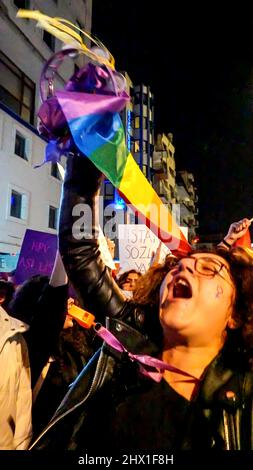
(66, 32)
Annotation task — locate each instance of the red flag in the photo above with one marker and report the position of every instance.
(245, 240)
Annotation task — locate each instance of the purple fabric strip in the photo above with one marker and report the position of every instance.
(76, 104)
(142, 359)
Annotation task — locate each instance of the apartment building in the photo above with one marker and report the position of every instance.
(29, 197)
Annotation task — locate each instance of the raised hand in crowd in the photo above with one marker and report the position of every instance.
(236, 231)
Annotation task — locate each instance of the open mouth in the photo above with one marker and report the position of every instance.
(182, 289)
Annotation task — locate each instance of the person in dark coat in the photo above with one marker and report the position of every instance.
(195, 314)
(41, 302)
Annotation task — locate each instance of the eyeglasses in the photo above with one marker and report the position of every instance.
(206, 266)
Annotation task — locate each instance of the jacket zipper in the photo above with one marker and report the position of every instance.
(231, 430)
(95, 381)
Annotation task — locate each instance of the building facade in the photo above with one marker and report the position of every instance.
(29, 197)
(113, 205)
(176, 189)
(143, 128)
(164, 169)
(187, 199)
(108, 191)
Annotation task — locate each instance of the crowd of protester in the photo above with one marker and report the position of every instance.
(157, 361)
(193, 313)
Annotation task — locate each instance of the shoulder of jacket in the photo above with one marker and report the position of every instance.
(237, 390)
(133, 314)
(9, 327)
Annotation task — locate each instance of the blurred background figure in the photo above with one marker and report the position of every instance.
(68, 323)
(15, 385)
(127, 282)
(111, 246)
(74, 348)
(7, 290)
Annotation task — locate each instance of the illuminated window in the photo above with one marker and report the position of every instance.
(136, 146)
(137, 122)
(18, 204)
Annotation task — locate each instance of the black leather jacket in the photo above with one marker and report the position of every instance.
(110, 375)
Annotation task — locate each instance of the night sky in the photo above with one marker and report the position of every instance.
(199, 64)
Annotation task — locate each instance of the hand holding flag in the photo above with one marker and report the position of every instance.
(84, 118)
(239, 234)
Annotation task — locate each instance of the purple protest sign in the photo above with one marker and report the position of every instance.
(37, 255)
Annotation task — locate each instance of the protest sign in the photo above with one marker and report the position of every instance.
(104, 250)
(136, 246)
(37, 255)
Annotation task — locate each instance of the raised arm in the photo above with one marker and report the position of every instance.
(235, 232)
(78, 242)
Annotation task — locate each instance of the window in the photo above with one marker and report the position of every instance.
(53, 217)
(144, 123)
(16, 204)
(20, 145)
(49, 40)
(109, 189)
(137, 122)
(136, 146)
(137, 99)
(81, 27)
(22, 3)
(55, 171)
(17, 91)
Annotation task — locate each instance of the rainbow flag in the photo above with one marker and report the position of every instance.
(90, 104)
(97, 131)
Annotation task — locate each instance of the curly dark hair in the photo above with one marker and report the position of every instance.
(24, 303)
(240, 261)
(148, 286)
(241, 267)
